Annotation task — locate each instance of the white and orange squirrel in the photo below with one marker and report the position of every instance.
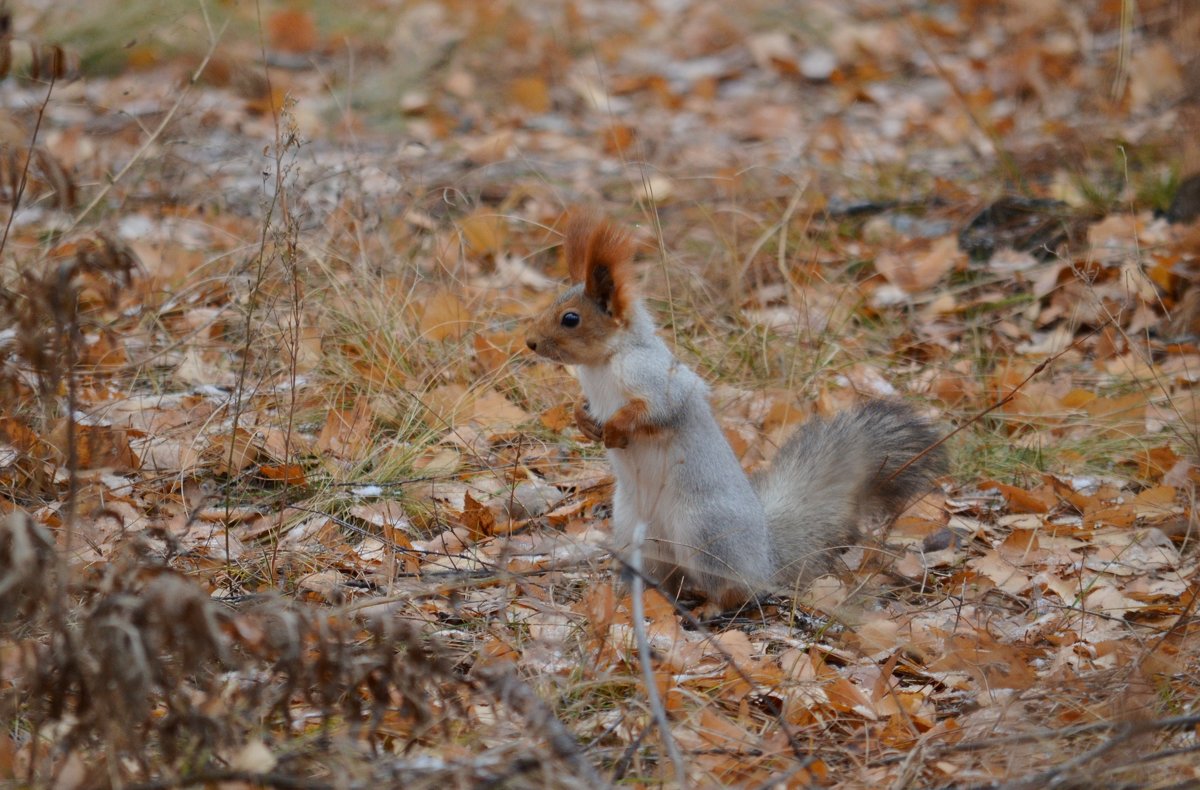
(709, 528)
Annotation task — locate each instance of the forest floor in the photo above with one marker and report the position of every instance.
(287, 503)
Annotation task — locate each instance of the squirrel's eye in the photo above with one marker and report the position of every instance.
(570, 319)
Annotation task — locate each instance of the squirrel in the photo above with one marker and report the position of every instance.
(710, 529)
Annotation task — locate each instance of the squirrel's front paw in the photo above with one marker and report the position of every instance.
(630, 420)
(587, 424)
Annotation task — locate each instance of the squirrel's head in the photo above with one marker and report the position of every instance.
(585, 322)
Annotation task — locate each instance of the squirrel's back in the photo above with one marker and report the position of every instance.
(833, 474)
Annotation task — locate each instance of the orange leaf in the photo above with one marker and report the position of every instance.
(783, 412)
(443, 316)
(288, 474)
(235, 452)
(721, 732)
(95, 446)
(19, 435)
(1019, 543)
(494, 349)
(600, 606)
(1019, 500)
(1158, 495)
(558, 418)
(1077, 399)
(142, 56)
(495, 650)
(531, 93)
(485, 232)
(993, 664)
(617, 139)
(269, 103)
(1156, 462)
(493, 410)
(846, 697)
(1121, 516)
(292, 30)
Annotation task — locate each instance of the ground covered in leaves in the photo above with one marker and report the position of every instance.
(286, 503)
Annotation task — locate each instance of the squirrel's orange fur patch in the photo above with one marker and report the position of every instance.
(631, 421)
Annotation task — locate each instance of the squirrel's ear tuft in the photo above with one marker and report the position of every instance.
(598, 255)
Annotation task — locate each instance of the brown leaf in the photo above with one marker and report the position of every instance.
(292, 30)
(454, 405)
(992, 664)
(1158, 495)
(326, 584)
(495, 349)
(443, 316)
(845, 697)
(917, 271)
(96, 447)
(20, 436)
(599, 604)
(531, 93)
(489, 148)
(783, 413)
(558, 418)
(444, 460)
(1154, 75)
(1019, 545)
(347, 432)
(485, 232)
(1114, 516)
(477, 518)
(618, 138)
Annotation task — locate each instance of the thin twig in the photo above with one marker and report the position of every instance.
(637, 588)
(1051, 776)
(798, 750)
(278, 201)
(37, 127)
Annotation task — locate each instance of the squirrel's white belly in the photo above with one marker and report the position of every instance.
(643, 472)
(644, 493)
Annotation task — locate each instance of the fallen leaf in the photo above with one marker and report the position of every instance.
(443, 316)
(477, 518)
(485, 232)
(530, 93)
(917, 271)
(288, 474)
(347, 432)
(292, 30)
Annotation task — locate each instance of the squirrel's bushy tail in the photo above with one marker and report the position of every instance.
(831, 475)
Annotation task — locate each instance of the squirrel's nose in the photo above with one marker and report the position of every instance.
(531, 343)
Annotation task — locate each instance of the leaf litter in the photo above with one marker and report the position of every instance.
(285, 503)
